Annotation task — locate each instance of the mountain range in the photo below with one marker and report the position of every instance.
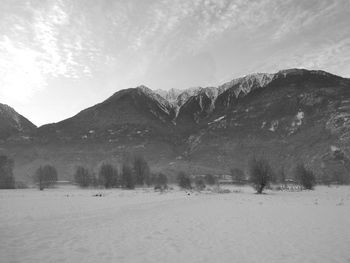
(292, 116)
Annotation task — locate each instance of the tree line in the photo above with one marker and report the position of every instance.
(132, 173)
(7, 180)
(261, 175)
(135, 171)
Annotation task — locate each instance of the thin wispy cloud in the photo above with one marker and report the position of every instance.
(40, 45)
(85, 44)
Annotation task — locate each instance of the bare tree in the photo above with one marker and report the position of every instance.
(184, 181)
(142, 171)
(282, 175)
(108, 175)
(160, 182)
(45, 176)
(260, 173)
(82, 177)
(7, 180)
(127, 177)
(305, 177)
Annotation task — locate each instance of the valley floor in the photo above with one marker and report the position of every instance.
(73, 225)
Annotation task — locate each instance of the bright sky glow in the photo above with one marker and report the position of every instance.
(58, 57)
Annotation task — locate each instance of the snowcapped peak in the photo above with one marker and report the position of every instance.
(144, 89)
(170, 95)
(247, 83)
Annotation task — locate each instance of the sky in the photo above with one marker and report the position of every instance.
(58, 57)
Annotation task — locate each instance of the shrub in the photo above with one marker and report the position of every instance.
(108, 176)
(339, 177)
(210, 179)
(260, 174)
(7, 180)
(160, 182)
(21, 185)
(45, 176)
(142, 171)
(127, 178)
(305, 177)
(184, 181)
(237, 175)
(199, 183)
(217, 189)
(82, 177)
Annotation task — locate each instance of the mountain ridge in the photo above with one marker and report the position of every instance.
(244, 85)
(11, 122)
(290, 116)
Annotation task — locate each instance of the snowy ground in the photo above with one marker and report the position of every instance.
(72, 225)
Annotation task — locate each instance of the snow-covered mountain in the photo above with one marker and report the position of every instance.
(290, 116)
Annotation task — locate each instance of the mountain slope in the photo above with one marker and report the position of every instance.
(299, 116)
(139, 108)
(197, 107)
(12, 123)
(288, 117)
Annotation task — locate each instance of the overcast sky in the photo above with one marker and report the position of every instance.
(59, 57)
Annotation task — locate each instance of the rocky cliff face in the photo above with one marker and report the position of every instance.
(197, 108)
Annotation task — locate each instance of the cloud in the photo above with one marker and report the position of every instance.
(40, 42)
(20, 73)
(296, 17)
(60, 47)
(79, 39)
(157, 34)
(332, 56)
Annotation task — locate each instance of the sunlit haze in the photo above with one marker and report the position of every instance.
(59, 57)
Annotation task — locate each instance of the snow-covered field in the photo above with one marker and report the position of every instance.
(73, 225)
